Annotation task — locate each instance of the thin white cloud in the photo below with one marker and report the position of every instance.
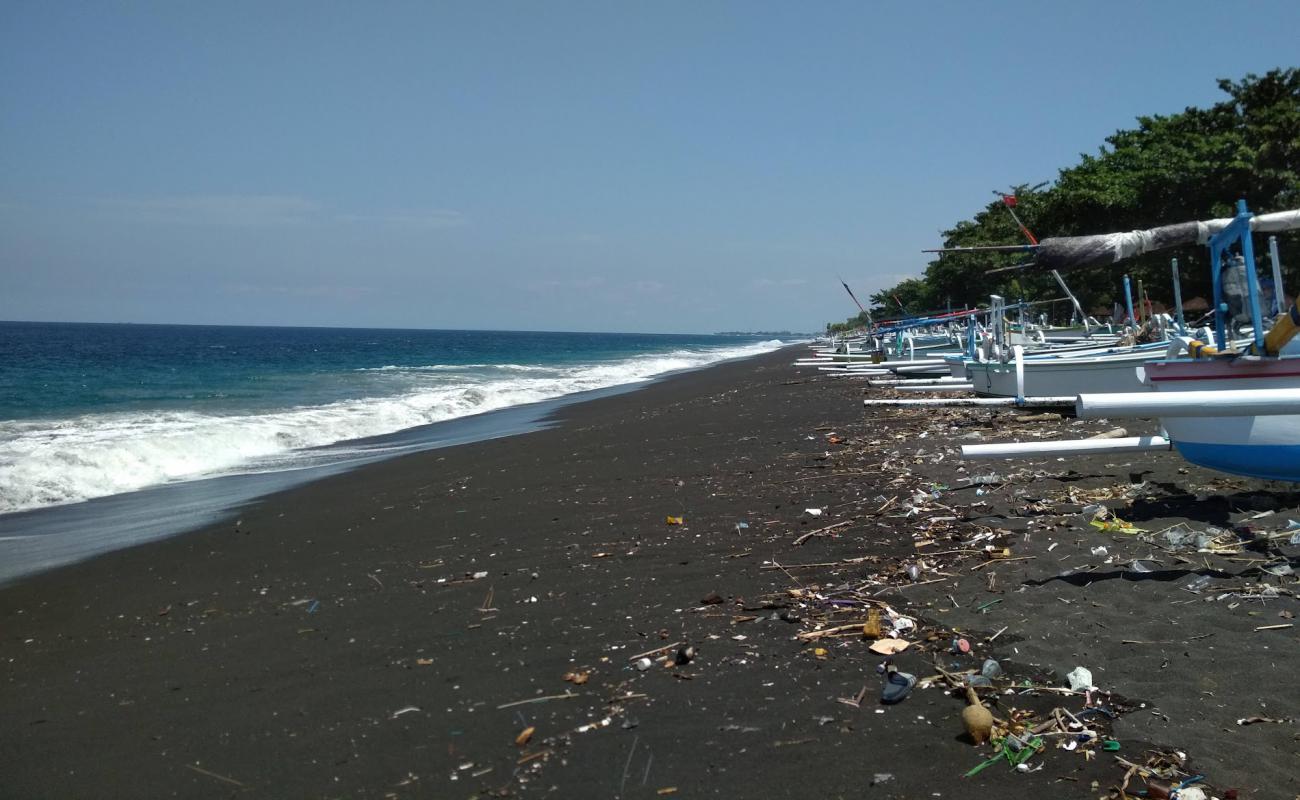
(587, 283)
(422, 219)
(768, 283)
(329, 291)
(268, 210)
(257, 210)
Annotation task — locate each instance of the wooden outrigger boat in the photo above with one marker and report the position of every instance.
(1235, 410)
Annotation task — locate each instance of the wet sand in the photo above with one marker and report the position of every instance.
(397, 630)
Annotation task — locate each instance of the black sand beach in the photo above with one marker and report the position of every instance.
(406, 630)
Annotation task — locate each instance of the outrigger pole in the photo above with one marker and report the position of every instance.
(870, 321)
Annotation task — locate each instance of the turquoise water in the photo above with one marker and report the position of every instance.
(114, 435)
(91, 411)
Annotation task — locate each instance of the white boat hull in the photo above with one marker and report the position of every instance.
(1266, 447)
(1063, 376)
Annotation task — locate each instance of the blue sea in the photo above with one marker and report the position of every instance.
(114, 434)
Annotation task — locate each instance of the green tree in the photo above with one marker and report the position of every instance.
(1187, 166)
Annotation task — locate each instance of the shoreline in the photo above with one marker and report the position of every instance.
(40, 539)
(394, 631)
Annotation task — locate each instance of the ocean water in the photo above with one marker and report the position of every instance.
(107, 426)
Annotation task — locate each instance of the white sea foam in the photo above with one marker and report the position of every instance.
(47, 462)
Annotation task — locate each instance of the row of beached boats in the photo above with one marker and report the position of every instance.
(1227, 395)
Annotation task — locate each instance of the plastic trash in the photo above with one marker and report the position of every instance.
(684, 655)
(642, 664)
(813, 512)
(979, 682)
(1199, 583)
(888, 647)
(1100, 551)
(991, 669)
(914, 572)
(898, 685)
(1079, 679)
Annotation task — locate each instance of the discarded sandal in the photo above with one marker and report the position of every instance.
(898, 685)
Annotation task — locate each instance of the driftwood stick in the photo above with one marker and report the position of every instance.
(820, 531)
(1000, 561)
(210, 774)
(809, 636)
(541, 699)
(656, 650)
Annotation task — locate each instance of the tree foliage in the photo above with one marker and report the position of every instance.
(1187, 166)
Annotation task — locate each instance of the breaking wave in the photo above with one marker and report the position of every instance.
(50, 462)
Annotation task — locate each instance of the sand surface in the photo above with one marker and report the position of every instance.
(406, 630)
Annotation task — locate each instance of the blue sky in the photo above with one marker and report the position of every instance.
(672, 166)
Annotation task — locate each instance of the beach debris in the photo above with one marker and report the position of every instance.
(813, 512)
(711, 599)
(210, 774)
(977, 719)
(871, 628)
(1253, 720)
(642, 664)
(960, 645)
(577, 678)
(1079, 679)
(1198, 583)
(1115, 525)
(1015, 751)
(675, 520)
(405, 710)
(881, 777)
(524, 736)
(684, 655)
(538, 699)
(898, 685)
(1280, 570)
(889, 647)
(991, 669)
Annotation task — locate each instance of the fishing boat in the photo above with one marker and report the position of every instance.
(1259, 446)
(1229, 408)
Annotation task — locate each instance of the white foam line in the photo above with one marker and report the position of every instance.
(45, 462)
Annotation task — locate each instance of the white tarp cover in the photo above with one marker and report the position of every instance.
(1078, 251)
